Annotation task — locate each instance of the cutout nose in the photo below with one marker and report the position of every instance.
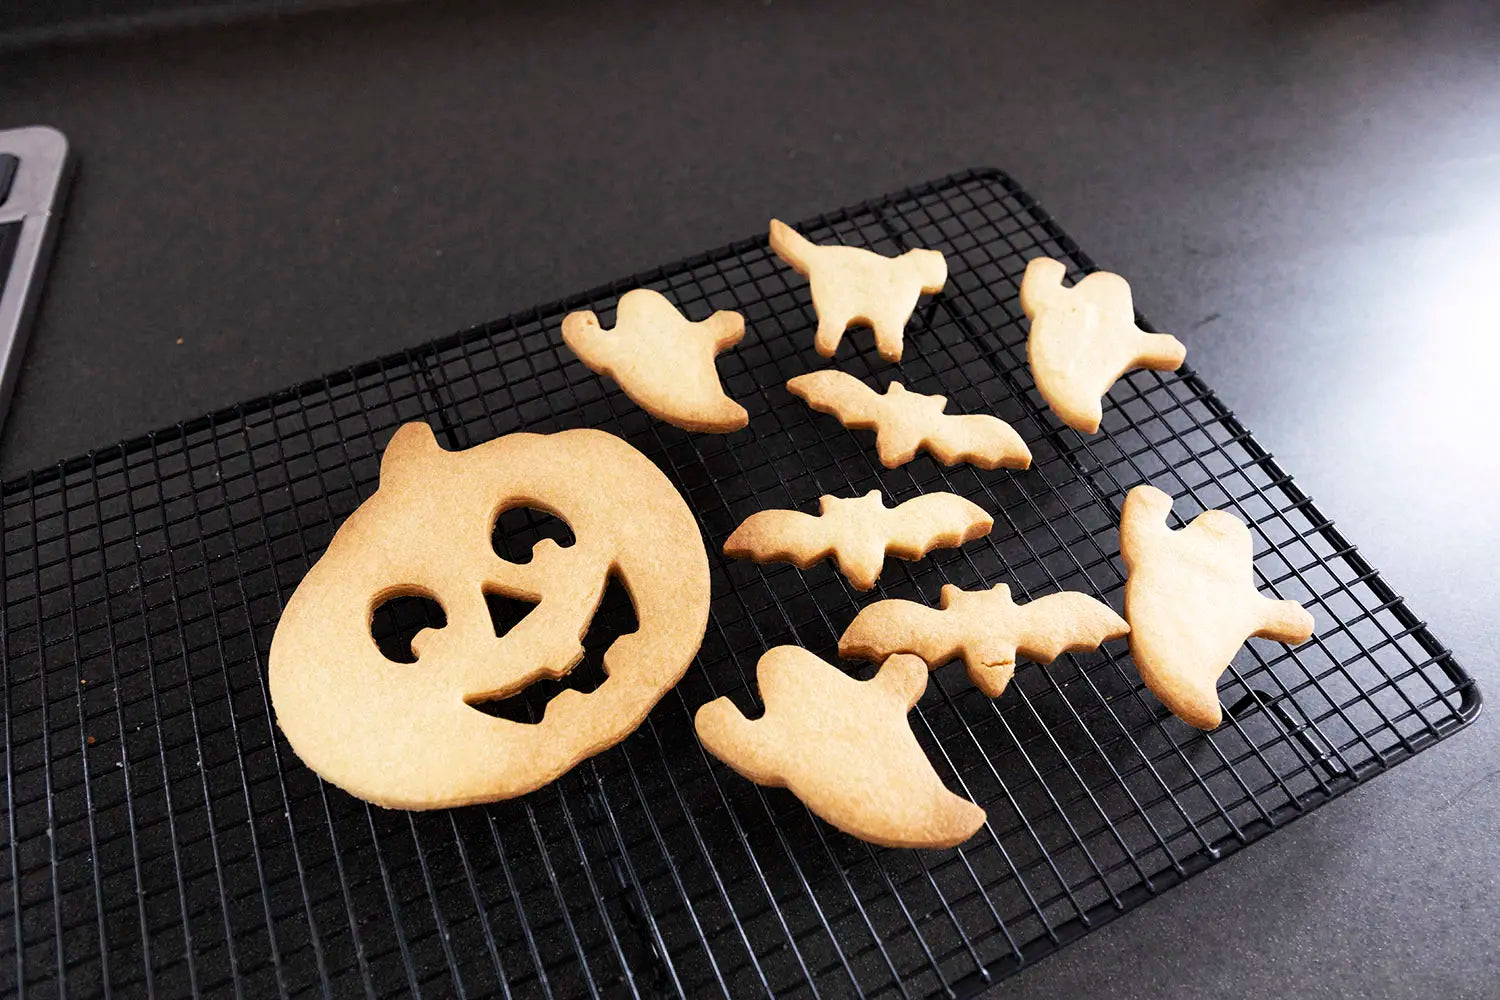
(615, 617)
(506, 612)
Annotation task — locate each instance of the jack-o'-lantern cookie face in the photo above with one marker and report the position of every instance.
(407, 735)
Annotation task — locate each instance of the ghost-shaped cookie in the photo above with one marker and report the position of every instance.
(1191, 602)
(664, 362)
(1083, 338)
(844, 747)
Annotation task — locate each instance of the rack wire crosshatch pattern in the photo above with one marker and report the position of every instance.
(162, 840)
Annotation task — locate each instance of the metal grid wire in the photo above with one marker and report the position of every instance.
(162, 840)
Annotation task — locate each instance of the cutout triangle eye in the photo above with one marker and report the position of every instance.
(518, 529)
(506, 612)
(397, 620)
(614, 618)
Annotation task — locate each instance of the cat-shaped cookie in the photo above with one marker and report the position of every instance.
(853, 286)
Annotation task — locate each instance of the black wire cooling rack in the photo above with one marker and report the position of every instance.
(162, 840)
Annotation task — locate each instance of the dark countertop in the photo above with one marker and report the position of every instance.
(1307, 192)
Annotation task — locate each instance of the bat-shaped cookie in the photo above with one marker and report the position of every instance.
(985, 627)
(906, 421)
(858, 532)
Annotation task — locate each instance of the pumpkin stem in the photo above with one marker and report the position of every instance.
(411, 441)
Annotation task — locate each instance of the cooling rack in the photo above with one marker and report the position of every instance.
(162, 840)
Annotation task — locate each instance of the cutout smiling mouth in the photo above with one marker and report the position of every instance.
(398, 620)
(614, 618)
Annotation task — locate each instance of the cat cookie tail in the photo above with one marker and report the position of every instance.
(791, 246)
(583, 334)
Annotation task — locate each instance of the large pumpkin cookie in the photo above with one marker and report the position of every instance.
(406, 735)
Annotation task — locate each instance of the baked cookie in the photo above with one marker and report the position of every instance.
(405, 735)
(905, 422)
(1083, 338)
(985, 627)
(853, 286)
(664, 363)
(859, 532)
(844, 748)
(1191, 601)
